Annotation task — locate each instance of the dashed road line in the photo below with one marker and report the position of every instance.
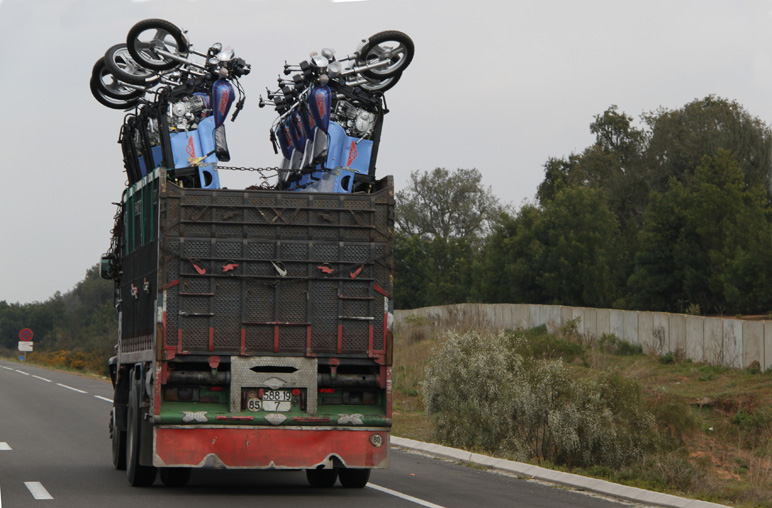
(103, 398)
(70, 388)
(6, 368)
(41, 378)
(400, 495)
(37, 490)
(4, 447)
(22, 372)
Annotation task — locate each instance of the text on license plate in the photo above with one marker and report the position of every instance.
(273, 400)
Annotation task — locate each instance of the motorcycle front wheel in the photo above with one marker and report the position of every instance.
(110, 92)
(109, 101)
(120, 63)
(380, 85)
(149, 37)
(395, 47)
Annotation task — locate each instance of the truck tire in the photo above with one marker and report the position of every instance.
(354, 478)
(137, 474)
(118, 438)
(322, 478)
(175, 476)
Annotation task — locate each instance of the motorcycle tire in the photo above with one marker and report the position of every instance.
(380, 85)
(167, 37)
(109, 92)
(110, 85)
(120, 63)
(399, 46)
(109, 101)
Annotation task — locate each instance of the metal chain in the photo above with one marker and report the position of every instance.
(243, 168)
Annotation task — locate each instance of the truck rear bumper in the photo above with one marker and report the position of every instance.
(269, 448)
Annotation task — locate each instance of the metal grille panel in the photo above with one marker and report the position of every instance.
(195, 333)
(356, 336)
(270, 264)
(259, 338)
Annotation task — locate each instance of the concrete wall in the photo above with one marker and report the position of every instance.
(722, 341)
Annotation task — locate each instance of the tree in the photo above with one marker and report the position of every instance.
(706, 241)
(446, 204)
(512, 259)
(563, 253)
(441, 219)
(648, 176)
(680, 138)
(582, 237)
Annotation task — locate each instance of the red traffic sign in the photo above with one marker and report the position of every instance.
(25, 334)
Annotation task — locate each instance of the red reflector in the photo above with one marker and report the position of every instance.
(216, 389)
(296, 392)
(326, 390)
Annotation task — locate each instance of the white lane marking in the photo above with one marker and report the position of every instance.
(41, 378)
(22, 372)
(37, 490)
(4, 446)
(6, 368)
(404, 496)
(103, 398)
(70, 388)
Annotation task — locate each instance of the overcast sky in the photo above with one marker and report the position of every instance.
(495, 85)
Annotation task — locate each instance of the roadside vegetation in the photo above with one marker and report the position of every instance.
(602, 408)
(75, 331)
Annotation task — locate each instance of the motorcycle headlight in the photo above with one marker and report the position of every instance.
(319, 61)
(226, 55)
(334, 69)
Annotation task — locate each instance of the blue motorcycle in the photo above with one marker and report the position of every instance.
(331, 114)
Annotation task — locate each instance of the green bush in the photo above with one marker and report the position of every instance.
(484, 394)
(546, 346)
(610, 343)
(675, 417)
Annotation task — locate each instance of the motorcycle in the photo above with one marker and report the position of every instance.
(180, 104)
(331, 113)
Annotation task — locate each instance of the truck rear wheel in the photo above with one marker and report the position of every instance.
(354, 478)
(118, 438)
(321, 478)
(138, 475)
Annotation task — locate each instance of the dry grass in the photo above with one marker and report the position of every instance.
(721, 419)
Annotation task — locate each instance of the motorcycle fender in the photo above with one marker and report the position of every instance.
(347, 152)
(185, 146)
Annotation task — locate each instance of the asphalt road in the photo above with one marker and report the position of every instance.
(55, 452)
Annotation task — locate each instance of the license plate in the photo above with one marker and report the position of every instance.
(273, 400)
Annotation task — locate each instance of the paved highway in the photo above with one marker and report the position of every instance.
(55, 452)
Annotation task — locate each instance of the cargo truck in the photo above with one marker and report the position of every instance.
(254, 331)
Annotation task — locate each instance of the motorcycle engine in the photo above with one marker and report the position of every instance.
(357, 122)
(185, 114)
